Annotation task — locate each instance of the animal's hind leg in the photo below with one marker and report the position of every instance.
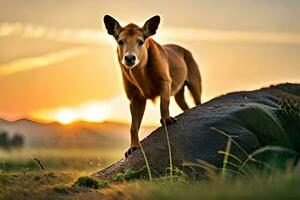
(179, 98)
(195, 89)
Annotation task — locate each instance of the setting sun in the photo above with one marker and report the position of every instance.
(65, 116)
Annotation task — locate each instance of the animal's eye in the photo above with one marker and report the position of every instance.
(141, 42)
(120, 42)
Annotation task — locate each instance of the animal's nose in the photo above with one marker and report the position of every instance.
(129, 58)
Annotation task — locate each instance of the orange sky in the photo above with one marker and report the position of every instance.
(58, 63)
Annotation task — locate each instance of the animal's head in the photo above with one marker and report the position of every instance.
(131, 39)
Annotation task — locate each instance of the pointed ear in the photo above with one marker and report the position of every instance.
(151, 26)
(112, 26)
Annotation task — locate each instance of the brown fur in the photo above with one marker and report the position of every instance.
(162, 70)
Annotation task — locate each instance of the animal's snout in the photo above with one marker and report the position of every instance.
(130, 59)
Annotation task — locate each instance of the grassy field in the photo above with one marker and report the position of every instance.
(38, 185)
(58, 159)
(22, 178)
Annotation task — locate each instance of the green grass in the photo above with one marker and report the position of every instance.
(36, 186)
(89, 182)
(64, 175)
(68, 159)
(71, 181)
(275, 187)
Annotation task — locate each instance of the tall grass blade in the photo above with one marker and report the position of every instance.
(268, 148)
(43, 169)
(229, 136)
(225, 160)
(169, 151)
(231, 155)
(274, 149)
(146, 161)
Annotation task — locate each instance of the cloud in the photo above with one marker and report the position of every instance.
(195, 34)
(85, 36)
(91, 36)
(30, 63)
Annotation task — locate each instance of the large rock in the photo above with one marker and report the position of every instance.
(254, 119)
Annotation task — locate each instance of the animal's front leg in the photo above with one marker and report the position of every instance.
(137, 108)
(165, 93)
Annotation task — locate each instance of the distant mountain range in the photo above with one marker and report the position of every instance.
(79, 134)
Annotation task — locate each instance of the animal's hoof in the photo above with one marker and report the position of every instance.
(129, 151)
(168, 120)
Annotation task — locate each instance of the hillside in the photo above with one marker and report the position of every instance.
(80, 134)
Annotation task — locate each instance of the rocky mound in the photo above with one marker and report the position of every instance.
(269, 116)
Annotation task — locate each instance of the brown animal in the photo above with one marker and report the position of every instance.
(150, 70)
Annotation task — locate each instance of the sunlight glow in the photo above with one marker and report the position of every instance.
(65, 116)
(90, 112)
(94, 112)
(115, 109)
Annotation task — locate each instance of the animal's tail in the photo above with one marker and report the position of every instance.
(193, 81)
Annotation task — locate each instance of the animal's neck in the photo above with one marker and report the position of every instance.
(139, 75)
